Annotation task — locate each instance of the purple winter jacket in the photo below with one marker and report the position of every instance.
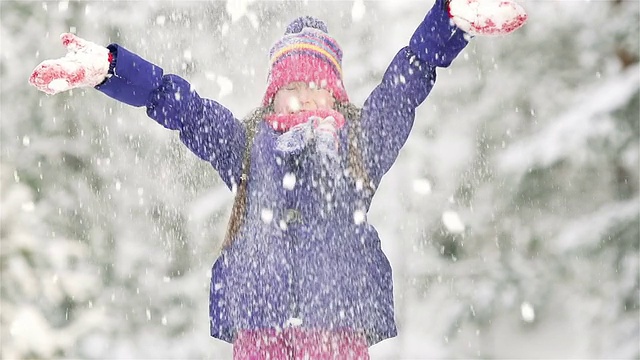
(325, 268)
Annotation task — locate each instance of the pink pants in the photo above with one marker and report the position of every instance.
(297, 344)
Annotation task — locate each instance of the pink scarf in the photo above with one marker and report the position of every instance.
(284, 122)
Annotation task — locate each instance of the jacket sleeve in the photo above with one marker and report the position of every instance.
(207, 128)
(389, 111)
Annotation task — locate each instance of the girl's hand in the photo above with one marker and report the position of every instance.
(317, 130)
(327, 144)
(295, 139)
(85, 65)
(326, 135)
(487, 17)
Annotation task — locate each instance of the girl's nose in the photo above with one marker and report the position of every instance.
(304, 94)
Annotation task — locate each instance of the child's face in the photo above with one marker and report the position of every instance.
(298, 96)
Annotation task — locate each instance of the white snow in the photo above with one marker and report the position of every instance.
(422, 186)
(359, 217)
(226, 86)
(59, 85)
(528, 312)
(63, 6)
(452, 222)
(358, 10)
(237, 8)
(289, 181)
(29, 331)
(161, 20)
(294, 104)
(266, 215)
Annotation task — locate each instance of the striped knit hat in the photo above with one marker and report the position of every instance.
(306, 53)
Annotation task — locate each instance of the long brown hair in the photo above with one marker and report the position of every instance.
(356, 168)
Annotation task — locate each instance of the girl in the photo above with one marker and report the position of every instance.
(304, 166)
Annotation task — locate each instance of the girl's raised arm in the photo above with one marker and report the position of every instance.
(207, 128)
(389, 111)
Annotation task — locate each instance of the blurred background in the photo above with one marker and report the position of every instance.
(511, 218)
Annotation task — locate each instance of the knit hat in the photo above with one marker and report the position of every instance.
(306, 53)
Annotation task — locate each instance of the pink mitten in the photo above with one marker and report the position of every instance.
(487, 17)
(85, 65)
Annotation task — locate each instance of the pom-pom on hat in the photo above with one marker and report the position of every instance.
(306, 53)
